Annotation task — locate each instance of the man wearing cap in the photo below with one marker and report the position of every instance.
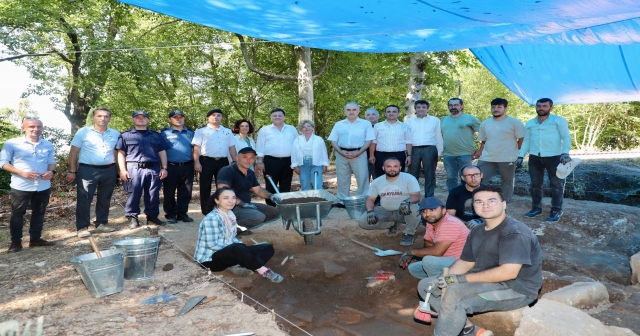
(212, 145)
(443, 241)
(547, 140)
(399, 194)
(460, 199)
(31, 162)
(274, 152)
(180, 169)
(142, 161)
(242, 180)
(94, 171)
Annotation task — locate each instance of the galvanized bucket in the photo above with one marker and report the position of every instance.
(140, 257)
(102, 276)
(355, 206)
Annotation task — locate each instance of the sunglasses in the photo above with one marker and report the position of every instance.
(30, 117)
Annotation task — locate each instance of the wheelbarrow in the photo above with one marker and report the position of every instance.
(306, 218)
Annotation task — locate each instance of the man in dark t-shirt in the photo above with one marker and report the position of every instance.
(243, 181)
(459, 201)
(500, 269)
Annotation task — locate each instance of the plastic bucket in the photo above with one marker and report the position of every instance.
(102, 276)
(355, 206)
(140, 257)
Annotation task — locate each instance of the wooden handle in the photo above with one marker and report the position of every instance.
(445, 272)
(95, 247)
(363, 244)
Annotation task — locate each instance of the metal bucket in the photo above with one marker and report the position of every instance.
(102, 276)
(355, 206)
(140, 257)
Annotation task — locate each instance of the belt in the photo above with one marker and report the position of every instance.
(214, 158)
(400, 151)
(180, 163)
(143, 164)
(278, 158)
(97, 166)
(349, 149)
(423, 146)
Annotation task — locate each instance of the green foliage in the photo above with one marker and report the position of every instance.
(58, 139)
(7, 131)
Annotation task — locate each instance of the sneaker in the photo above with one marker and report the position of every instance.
(393, 231)
(338, 205)
(239, 271)
(14, 247)
(155, 220)
(533, 212)
(476, 331)
(84, 233)
(273, 276)
(243, 233)
(171, 220)
(407, 240)
(40, 242)
(104, 228)
(185, 218)
(554, 216)
(133, 222)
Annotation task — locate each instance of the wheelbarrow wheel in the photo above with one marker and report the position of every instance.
(309, 225)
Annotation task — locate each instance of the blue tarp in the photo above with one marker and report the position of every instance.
(586, 46)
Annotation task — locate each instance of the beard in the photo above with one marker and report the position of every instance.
(391, 174)
(454, 111)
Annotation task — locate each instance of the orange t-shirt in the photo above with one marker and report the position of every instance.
(450, 230)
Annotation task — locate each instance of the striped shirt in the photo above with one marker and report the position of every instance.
(214, 235)
(425, 132)
(450, 230)
(391, 137)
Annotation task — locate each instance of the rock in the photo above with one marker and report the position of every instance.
(332, 269)
(552, 318)
(326, 319)
(505, 321)
(625, 313)
(243, 283)
(304, 315)
(617, 331)
(635, 268)
(40, 264)
(583, 295)
(169, 313)
(167, 267)
(131, 319)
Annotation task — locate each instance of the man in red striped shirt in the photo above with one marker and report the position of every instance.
(443, 241)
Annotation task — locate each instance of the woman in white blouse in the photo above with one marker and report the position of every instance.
(242, 128)
(309, 155)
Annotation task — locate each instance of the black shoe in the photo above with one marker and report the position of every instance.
(155, 220)
(185, 218)
(15, 247)
(243, 233)
(338, 205)
(133, 222)
(40, 242)
(171, 220)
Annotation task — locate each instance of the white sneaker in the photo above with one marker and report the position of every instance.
(84, 233)
(104, 228)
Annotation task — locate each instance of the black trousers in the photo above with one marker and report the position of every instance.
(251, 257)
(280, 171)
(210, 169)
(180, 179)
(381, 156)
(19, 202)
(94, 181)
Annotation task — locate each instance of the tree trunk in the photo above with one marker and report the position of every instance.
(416, 80)
(305, 83)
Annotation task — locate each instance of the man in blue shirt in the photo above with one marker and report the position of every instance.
(94, 171)
(180, 159)
(142, 161)
(548, 141)
(31, 162)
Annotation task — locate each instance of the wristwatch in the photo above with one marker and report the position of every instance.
(73, 171)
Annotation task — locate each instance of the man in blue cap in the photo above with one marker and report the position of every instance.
(180, 169)
(142, 162)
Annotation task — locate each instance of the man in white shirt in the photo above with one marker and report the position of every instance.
(274, 152)
(373, 116)
(212, 144)
(426, 145)
(392, 140)
(350, 138)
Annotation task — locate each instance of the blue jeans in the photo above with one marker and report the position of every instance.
(453, 165)
(537, 166)
(430, 266)
(307, 178)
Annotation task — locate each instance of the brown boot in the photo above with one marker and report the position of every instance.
(40, 242)
(14, 247)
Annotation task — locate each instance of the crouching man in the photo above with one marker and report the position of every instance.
(500, 269)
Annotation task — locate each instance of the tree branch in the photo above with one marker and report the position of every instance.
(324, 66)
(251, 67)
(49, 53)
(154, 28)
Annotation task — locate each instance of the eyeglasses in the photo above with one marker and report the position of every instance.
(30, 117)
(472, 175)
(491, 202)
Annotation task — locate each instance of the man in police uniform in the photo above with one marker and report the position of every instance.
(212, 144)
(96, 172)
(142, 161)
(180, 169)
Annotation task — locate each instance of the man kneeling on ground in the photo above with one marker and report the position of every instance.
(399, 192)
(443, 241)
(500, 269)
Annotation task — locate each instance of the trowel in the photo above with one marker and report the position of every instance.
(192, 302)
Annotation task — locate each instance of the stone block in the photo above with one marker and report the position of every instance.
(304, 315)
(243, 283)
(617, 331)
(505, 321)
(332, 269)
(583, 295)
(635, 268)
(326, 319)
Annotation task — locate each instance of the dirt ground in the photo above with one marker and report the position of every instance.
(324, 291)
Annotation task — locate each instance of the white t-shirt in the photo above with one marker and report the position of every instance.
(392, 193)
(501, 139)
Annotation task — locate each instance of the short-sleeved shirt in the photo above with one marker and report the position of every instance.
(96, 148)
(458, 134)
(391, 137)
(461, 200)
(392, 193)
(180, 150)
(449, 230)
(511, 242)
(238, 181)
(142, 145)
(501, 139)
(276, 142)
(352, 134)
(212, 142)
(30, 157)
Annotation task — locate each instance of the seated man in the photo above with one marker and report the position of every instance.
(459, 199)
(443, 241)
(242, 180)
(399, 193)
(500, 269)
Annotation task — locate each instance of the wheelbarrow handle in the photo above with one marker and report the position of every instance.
(272, 184)
(315, 180)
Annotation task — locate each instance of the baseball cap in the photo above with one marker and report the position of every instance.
(247, 150)
(430, 203)
(216, 110)
(564, 170)
(175, 113)
(140, 112)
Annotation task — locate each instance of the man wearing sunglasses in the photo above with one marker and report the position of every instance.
(31, 162)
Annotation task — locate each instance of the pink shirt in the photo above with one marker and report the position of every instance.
(450, 230)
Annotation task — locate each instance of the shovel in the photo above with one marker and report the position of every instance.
(379, 252)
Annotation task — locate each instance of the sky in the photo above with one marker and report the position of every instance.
(13, 82)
